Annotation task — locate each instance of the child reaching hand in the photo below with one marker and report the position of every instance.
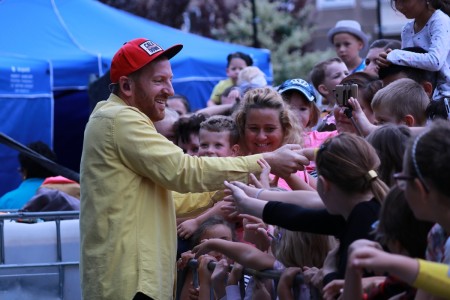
(212, 228)
(289, 248)
(429, 30)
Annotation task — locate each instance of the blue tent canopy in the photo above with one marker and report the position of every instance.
(80, 38)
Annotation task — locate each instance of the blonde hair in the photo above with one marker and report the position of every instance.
(403, 97)
(268, 98)
(349, 161)
(296, 248)
(251, 77)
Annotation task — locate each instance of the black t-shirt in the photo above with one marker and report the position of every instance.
(320, 221)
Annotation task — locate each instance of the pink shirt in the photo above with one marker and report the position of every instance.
(312, 139)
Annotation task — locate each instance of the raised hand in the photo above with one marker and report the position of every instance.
(184, 259)
(240, 202)
(286, 160)
(284, 289)
(360, 117)
(333, 289)
(256, 232)
(218, 278)
(264, 180)
(187, 228)
(382, 61)
(201, 248)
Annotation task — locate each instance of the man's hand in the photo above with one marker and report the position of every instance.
(286, 160)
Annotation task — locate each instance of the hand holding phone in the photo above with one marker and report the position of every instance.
(344, 92)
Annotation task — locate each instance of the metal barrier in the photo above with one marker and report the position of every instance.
(59, 263)
(266, 274)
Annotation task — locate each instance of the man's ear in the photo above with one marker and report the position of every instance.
(409, 121)
(124, 85)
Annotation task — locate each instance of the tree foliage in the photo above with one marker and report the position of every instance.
(168, 12)
(285, 27)
(285, 31)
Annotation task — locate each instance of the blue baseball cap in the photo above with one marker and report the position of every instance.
(300, 85)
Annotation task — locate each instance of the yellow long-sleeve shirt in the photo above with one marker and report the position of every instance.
(434, 278)
(127, 219)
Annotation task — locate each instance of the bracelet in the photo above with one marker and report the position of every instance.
(259, 193)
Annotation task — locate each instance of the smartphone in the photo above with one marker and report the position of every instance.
(344, 92)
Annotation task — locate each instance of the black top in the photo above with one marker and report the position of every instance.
(297, 218)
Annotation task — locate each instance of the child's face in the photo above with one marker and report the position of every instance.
(301, 106)
(218, 231)
(383, 115)
(236, 65)
(177, 105)
(334, 74)
(371, 61)
(347, 46)
(263, 130)
(192, 146)
(411, 8)
(215, 144)
(367, 109)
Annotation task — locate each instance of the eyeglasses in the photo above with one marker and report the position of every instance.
(401, 180)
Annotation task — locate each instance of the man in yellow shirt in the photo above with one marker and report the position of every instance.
(127, 219)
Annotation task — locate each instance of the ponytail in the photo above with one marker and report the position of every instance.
(379, 189)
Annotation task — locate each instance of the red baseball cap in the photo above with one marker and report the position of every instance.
(135, 54)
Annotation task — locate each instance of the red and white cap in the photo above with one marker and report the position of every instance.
(135, 54)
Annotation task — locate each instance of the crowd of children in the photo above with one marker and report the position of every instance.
(367, 217)
(357, 223)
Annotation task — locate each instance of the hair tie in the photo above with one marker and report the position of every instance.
(316, 150)
(371, 175)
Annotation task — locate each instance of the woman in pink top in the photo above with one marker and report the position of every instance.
(265, 123)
